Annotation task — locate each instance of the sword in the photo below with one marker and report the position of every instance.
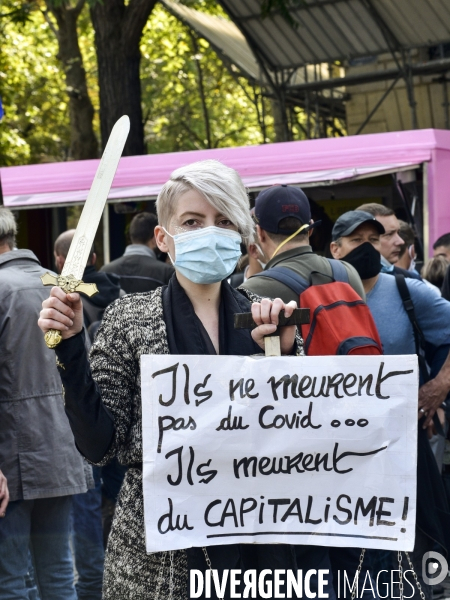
(80, 248)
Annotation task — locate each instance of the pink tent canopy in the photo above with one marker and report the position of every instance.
(306, 163)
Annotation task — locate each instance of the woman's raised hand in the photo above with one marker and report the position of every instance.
(63, 312)
(265, 314)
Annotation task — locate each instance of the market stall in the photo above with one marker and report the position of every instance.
(408, 170)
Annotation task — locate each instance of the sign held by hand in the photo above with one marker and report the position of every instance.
(279, 450)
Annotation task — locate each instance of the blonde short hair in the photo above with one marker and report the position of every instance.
(220, 185)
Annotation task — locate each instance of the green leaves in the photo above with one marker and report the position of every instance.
(177, 116)
(35, 127)
(16, 11)
(171, 90)
(269, 7)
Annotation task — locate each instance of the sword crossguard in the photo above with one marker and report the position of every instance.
(69, 284)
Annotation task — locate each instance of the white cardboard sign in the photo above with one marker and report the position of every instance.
(310, 450)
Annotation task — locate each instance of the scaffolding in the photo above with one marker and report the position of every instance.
(305, 61)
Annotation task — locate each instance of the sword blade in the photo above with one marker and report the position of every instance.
(83, 239)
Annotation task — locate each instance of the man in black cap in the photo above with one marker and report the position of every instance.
(283, 218)
(283, 222)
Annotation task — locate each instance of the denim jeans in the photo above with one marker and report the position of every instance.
(87, 537)
(43, 526)
(30, 582)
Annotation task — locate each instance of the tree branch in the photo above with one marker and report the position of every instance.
(50, 23)
(223, 137)
(200, 142)
(135, 17)
(201, 89)
(79, 7)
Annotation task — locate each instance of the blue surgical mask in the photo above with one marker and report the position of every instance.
(386, 266)
(206, 255)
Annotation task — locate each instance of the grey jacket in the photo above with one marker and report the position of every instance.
(37, 450)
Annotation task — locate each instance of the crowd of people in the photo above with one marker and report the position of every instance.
(71, 500)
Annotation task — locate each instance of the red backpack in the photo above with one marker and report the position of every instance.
(341, 323)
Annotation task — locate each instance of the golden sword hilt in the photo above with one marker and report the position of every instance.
(69, 284)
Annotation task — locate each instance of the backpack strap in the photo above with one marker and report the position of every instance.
(409, 308)
(288, 277)
(299, 284)
(340, 273)
(419, 338)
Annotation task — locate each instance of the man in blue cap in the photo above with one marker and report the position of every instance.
(283, 226)
(356, 237)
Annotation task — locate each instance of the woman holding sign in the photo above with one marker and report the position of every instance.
(204, 216)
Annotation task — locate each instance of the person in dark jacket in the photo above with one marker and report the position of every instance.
(138, 268)
(108, 284)
(93, 507)
(357, 240)
(37, 450)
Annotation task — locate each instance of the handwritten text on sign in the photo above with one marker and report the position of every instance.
(311, 450)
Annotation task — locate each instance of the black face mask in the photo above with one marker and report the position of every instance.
(365, 259)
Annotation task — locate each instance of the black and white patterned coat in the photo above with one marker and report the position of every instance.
(133, 326)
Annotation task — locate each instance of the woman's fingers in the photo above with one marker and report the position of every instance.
(57, 292)
(46, 324)
(262, 312)
(268, 311)
(75, 298)
(63, 307)
(266, 329)
(256, 312)
(266, 316)
(72, 300)
(289, 308)
(276, 306)
(63, 312)
(56, 315)
(260, 332)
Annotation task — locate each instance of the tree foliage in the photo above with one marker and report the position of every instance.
(35, 125)
(16, 11)
(189, 98)
(176, 68)
(62, 18)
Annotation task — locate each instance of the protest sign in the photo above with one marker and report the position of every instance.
(310, 450)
